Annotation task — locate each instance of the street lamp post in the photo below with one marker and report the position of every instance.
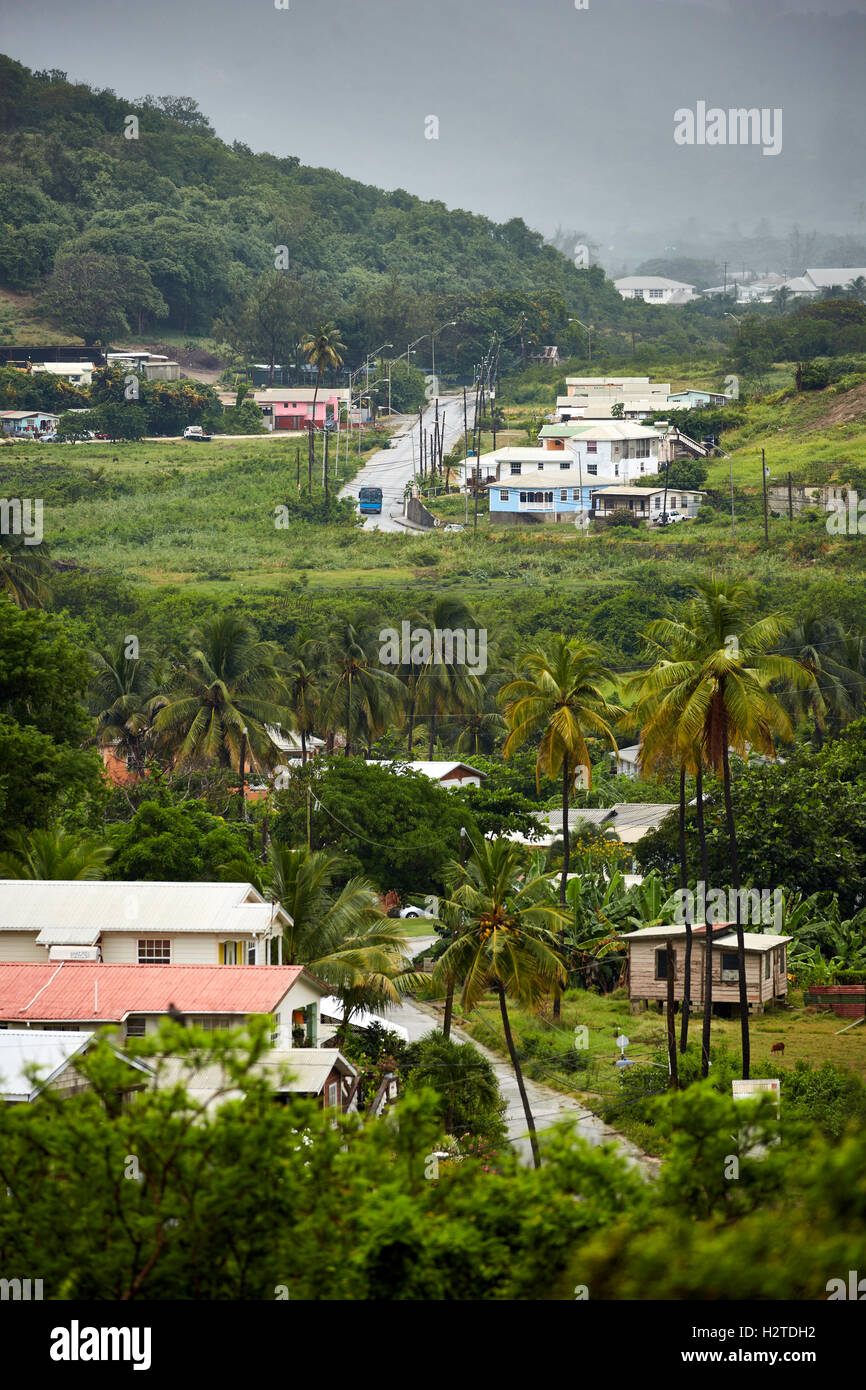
(588, 331)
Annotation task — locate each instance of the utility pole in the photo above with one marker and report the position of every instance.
(764, 481)
(790, 499)
(298, 463)
(731, 474)
(325, 468)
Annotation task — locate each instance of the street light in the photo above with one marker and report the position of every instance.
(588, 332)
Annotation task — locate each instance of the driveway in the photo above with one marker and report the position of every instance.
(391, 469)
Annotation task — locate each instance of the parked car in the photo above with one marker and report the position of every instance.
(454, 526)
(411, 912)
(195, 432)
(50, 437)
(670, 518)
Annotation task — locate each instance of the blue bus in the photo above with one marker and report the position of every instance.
(370, 499)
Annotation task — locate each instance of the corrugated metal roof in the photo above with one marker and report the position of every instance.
(158, 908)
(22, 1048)
(310, 1068)
(92, 991)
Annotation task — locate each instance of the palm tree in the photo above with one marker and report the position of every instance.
(560, 697)
(322, 350)
(819, 644)
(123, 693)
(506, 941)
(304, 694)
(24, 571)
(229, 688)
(357, 692)
(54, 854)
(719, 683)
(427, 686)
(341, 935)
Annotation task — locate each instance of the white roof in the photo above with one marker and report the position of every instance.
(61, 368)
(436, 770)
(837, 276)
(600, 429)
(651, 282)
(48, 1049)
(754, 940)
(607, 381)
(71, 912)
(274, 395)
(310, 1068)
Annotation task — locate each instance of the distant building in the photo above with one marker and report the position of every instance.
(154, 366)
(28, 423)
(76, 373)
(655, 289)
(815, 281)
(646, 503)
(291, 407)
(447, 774)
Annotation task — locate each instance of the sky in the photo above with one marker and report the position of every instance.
(561, 115)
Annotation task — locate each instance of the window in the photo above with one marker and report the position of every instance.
(592, 446)
(135, 1025)
(592, 470)
(657, 502)
(767, 965)
(229, 953)
(540, 467)
(503, 494)
(565, 464)
(251, 953)
(575, 494)
(730, 962)
(642, 449)
(655, 294)
(515, 470)
(333, 1095)
(523, 496)
(154, 952)
(616, 470)
(782, 966)
(662, 964)
(563, 497)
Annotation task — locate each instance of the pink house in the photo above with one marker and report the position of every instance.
(291, 407)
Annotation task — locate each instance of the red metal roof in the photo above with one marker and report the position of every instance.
(107, 993)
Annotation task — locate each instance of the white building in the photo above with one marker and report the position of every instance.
(655, 289)
(76, 373)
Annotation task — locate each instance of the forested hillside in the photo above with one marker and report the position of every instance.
(173, 229)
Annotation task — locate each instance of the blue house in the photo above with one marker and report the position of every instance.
(685, 400)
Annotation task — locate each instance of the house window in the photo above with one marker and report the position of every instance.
(515, 469)
(592, 470)
(575, 494)
(251, 953)
(333, 1095)
(730, 962)
(154, 952)
(503, 494)
(616, 470)
(642, 449)
(655, 294)
(657, 502)
(135, 1026)
(767, 965)
(662, 964)
(592, 446)
(563, 494)
(523, 496)
(565, 464)
(782, 966)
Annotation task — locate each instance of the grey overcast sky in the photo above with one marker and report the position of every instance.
(548, 112)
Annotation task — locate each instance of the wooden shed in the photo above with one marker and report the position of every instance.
(766, 966)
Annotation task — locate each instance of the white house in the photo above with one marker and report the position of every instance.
(139, 923)
(816, 280)
(33, 1060)
(447, 774)
(77, 373)
(646, 503)
(655, 289)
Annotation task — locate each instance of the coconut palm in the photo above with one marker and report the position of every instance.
(54, 854)
(818, 643)
(720, 685)
(560, 697)
(228, 689)
(304, 695)
(506, 940)
(341, 934)
(122, 698)
(24, 571)
(322, 350)
(357, 694)
(435, 690)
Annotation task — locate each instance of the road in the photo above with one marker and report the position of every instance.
(391, 469)
(548, 1106)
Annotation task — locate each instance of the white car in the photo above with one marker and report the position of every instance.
(669, 518)
(411, 912)
(453, 526)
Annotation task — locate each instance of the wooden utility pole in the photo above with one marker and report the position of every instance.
(325, 467)
(298, 463)
(790, 498)
(764, 482)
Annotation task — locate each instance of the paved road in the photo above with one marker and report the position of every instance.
(391, 469)
(548, 1106)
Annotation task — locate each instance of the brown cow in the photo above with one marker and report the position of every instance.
(777, 1047)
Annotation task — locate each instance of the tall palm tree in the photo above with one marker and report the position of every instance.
(304, 696)
(357, 693)
(341, 935)
(55, 854)
(229, 688)
(819, 643)
(560, 697)
(446, 613)
(24, 571)
(123, 693)
(322, 350)
(720, 682)
(505, 943)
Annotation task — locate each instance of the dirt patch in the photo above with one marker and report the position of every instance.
(847, 408)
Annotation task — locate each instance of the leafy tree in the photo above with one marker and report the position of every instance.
(470, 1102)
(181, 844)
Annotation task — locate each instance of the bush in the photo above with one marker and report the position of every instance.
(705, 515)
(623, 517)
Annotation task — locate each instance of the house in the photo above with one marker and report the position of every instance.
(594, 398)
(816, 280)
(630, 820)
(76, 373)
(153, 366)
(143, 923)
(291, 407)
(322, 1074)
(604, 445)
(688, 399)
(625, 761)
(33, 1060)
(655, 289)
(766, 967)
(447, 774)
(646, 503)
(28, 424)
(82, 995)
